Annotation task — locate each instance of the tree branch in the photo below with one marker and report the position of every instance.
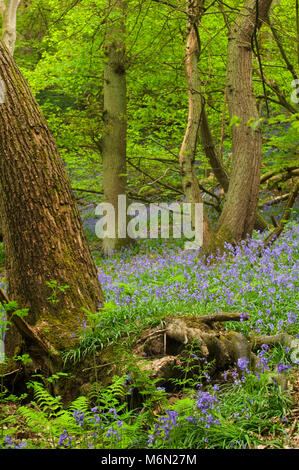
(285, 217)
(281, 50)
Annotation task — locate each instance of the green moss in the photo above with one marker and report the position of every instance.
(217, 242)
(2, 255)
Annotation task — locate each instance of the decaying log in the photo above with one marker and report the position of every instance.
(282, 339)
(222, 317)
(216, 344)
(164, 349)
(162, 368)
(213, 343)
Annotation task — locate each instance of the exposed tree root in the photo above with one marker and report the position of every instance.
(163, 349)
(38, 347)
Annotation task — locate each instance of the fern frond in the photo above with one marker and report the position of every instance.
(35, 419)
(49, 404)
(80, 403)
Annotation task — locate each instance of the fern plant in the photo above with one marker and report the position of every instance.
(107, 425)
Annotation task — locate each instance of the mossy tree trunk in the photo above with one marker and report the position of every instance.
(239, 212)
(115, 119)
(8, 10)
(43, 233)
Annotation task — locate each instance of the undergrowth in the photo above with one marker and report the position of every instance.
(194, 410)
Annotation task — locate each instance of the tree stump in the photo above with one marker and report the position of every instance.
(163, 350)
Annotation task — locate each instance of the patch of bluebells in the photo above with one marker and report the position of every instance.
(65, 440)
(282, 368)
(243, 364)
(10, 444)
(164, 426)
(245, 279)
(93, 427)
(79, 417)
(205, 403)
(114, 431)
(205, 413)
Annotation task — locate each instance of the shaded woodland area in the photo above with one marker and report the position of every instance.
(142, 342)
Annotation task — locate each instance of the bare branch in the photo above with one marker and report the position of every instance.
(222, 317)
(285, 217)
(281, 50)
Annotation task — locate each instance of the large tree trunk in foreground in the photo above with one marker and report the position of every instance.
(115, 119)
(43, 233)
(238, 215)
(189, 146)
(8, 10)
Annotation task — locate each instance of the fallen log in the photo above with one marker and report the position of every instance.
(164, 349)
(282, 339)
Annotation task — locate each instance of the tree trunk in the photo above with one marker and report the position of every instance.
(42, 229)
(218, 167)
(189, 146)
(210, 151)
(9, 23)
(238, 215)
(9, 33)
(115, 119)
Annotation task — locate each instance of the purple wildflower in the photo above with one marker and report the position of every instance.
(281, 368)
(243, 363)
(65, 439)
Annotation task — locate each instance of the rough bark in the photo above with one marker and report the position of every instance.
(43, 234)
(238, 215)
(188, 149)
(115, 117)
(8, 10)
(218, 167)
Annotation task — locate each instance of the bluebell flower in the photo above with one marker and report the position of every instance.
(64, 439)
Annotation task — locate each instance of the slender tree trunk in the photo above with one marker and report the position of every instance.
(218, 167)
(43, 234)
(189, 146)
(9, 22)
(115, 117)
(238, 215)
